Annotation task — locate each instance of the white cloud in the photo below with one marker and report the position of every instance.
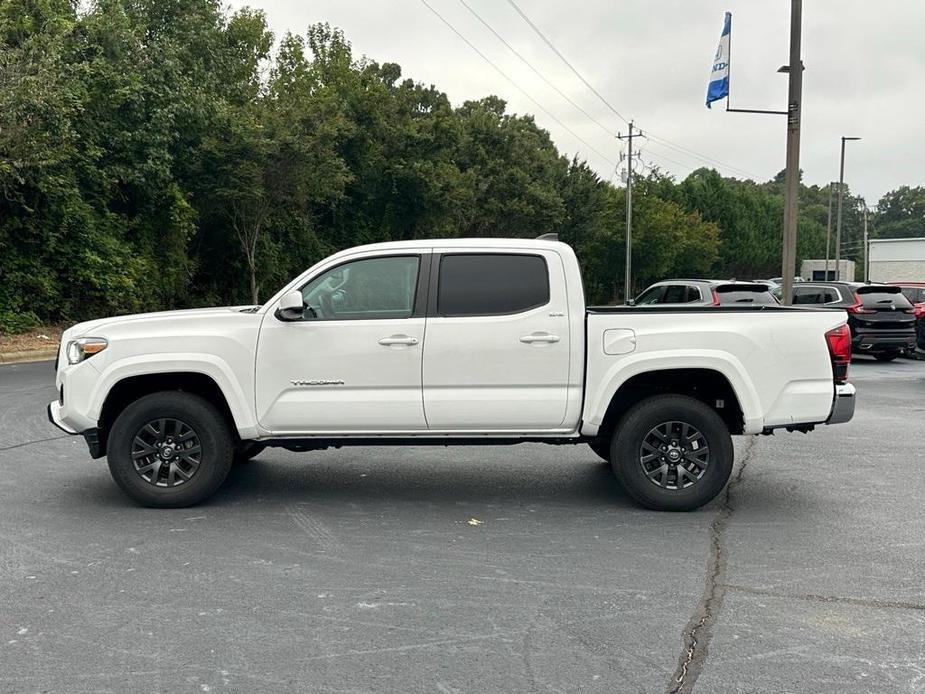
(651, 59)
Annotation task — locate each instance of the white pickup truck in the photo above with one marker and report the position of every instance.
(471, 341)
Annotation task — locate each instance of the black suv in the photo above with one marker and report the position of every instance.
(880, 317)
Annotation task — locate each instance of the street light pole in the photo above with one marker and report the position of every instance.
(841, 192)
(795, 92)
(828, 234)
(866, 248)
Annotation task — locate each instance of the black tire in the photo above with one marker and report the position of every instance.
(131, 437)
(712, 466)
(886, 356)
(601, 447)
(247, 450)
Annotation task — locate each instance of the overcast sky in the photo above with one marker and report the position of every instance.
(650, 59)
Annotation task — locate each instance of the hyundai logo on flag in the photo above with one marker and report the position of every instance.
(719, 76)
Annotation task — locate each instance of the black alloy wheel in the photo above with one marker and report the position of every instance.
(674, 455)
(166, 452)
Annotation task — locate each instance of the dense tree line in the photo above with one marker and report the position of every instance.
(168, 154)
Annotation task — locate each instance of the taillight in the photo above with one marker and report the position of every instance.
(919, 310)
(859, 307)
(839, 342)
(715, 297)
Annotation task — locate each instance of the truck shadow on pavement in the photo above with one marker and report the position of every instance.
(413, 477)
(358, 477)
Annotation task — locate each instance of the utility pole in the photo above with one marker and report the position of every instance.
(841, 194)
(628, 280)
(828, 234)
(791, 205)
(866, 266)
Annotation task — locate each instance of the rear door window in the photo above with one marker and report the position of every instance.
(739, 294)
(491, 284)
(882, 297)
(675, 294)
(814, 295)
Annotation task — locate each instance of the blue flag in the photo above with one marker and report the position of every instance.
(719, 77)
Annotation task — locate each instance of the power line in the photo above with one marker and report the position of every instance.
(539, 74)
(668, 159)
(664, 141)
(514, 83)
(695, 155)
(565, 60)
(698, 159)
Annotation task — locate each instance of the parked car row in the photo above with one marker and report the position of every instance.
(883, 321)
(880, 317)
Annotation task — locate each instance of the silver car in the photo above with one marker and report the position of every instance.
(705, 293)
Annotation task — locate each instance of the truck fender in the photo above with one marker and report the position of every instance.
(622, 370)
(195, 362)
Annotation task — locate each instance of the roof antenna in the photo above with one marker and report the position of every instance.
(547, 237)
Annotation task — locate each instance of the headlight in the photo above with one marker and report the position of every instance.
(84, 348)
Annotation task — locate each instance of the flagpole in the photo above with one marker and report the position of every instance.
(729, 67)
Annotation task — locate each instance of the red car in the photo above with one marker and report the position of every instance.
(915, 292)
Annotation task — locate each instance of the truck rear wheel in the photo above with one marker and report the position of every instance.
(672, 453)
(170, 449)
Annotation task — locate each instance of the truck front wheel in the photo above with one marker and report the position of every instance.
(672, 453)
(170, 449)
(601, 448)
(247, 450)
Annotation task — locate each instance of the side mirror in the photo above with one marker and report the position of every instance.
(631, 302)
(291, 306)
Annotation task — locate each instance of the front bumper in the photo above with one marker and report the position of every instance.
(54, 416)
(95, 442)
(842, 405)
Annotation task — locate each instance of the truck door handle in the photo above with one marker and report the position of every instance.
(539, 337)
(398, 340)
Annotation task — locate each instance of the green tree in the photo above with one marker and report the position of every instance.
(900, 214)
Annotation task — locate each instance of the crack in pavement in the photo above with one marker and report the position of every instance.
(841, 599)
(699, 630)
(29, 443)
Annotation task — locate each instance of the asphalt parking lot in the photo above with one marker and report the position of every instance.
(358, 570)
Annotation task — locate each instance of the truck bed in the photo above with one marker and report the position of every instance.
(779, 375)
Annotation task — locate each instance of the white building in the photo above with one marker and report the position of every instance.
(897, 260)
(814, 270)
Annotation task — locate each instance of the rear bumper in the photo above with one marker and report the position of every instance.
(867, 343)
(842, 405)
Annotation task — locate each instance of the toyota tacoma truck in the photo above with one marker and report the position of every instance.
(447, 342)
